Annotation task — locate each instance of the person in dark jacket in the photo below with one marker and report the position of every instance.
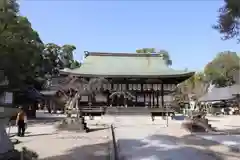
(21, 122)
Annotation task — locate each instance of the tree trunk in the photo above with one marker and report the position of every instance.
(5, 143)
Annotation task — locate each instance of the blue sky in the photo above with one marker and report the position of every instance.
(181, 27)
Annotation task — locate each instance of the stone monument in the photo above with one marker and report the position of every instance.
(7, 110)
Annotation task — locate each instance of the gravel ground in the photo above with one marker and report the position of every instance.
(158, 142)
(51, 144)
(138, 138)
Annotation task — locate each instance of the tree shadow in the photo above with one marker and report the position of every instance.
(39, 120)
(214, 120)
(170, 147)
(185, 140)
(44, 120)
(97, 129)
(15, 134)
(179, 117)
(233, 131)
(78, 128)
(232, 126)
(152, 147)
(88, 152)
(41, 134)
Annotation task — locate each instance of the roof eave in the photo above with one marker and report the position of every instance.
(183, 75)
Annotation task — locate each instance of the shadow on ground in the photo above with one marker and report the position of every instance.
(88, 152)
(152, 147)
(179, 117)
(97, 129)
(15, 134)
(41, 134)
(40, 120)
(234, 131)
(44, 120)
(170, 147)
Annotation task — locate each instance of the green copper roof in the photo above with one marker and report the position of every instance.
(126, 65)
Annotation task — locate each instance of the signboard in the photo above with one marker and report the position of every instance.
(6, 98)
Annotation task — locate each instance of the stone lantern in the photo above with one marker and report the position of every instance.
(7, 110)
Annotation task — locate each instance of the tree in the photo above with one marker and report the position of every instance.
(20, 46)
(8, 13)
(228, 22)
(166, 56)
(193, 88)
(75, 64)
(164, 53)
(51, 59)
(222, 69)
(67, 56)
(80, 87)
(57, 57)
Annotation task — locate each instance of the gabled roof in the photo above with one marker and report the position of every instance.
(224, 93)
(126, 65)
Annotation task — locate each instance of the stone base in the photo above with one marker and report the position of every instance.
(5, 143)
(198, 125)
(73, 124)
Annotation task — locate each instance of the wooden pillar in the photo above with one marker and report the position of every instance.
(127, 89)
(135, 100)
(88, 100)
(111, 91)
(153, 99)
(157, 98)
(144, 96)
(53, 106)
(162, 95)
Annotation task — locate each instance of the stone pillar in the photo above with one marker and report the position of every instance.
(5, 143)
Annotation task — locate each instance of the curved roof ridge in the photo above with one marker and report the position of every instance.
(114, 54)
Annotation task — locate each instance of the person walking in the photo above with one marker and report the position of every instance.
(21, 122)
